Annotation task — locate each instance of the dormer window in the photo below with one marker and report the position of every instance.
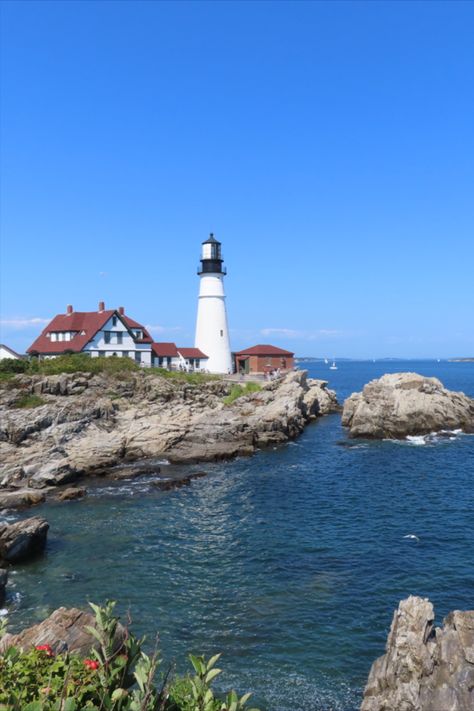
(114, 320)
(138, 334)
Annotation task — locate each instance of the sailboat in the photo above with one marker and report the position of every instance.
(326, 361)
(333, 366)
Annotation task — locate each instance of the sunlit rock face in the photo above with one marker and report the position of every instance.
(108, 420)
(401, 404)
(424, 668)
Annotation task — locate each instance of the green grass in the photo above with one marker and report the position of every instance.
(82, 363)
(6, 376)
(182, 375)
(29, 401)
(239, 391)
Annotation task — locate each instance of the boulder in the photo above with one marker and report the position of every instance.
(402, 404)
(424, 668)
(71, 493)
(20, 497)
(64, 630)
(23, 539)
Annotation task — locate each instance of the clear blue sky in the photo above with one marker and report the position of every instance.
(330, 146)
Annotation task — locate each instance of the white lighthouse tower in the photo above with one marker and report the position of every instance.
(212, 331)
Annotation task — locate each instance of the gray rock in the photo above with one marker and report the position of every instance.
(23, 539)
(72, 492)
(142, 416)
(3, 584)
(424, 668)
(402, 404)
(20, 498)
(64, 630)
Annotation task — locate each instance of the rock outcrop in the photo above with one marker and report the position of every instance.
(23, 539)
(402, 404)
(3, 584)
(89, 423)
(424, 668)
(64, 630)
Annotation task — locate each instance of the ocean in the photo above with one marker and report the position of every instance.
(290, 562)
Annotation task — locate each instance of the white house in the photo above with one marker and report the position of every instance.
(6, 352)
(100, 333)
(105, 333)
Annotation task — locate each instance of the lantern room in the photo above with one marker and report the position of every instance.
(211, 257)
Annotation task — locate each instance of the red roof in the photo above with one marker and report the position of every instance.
(192, 353)
(264, 350)
(164, 350)
(89, 322)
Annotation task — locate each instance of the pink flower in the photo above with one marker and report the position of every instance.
(91, 664)
(46, 648)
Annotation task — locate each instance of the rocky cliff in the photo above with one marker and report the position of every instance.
(424, 668)
(402, 404)
(88, 423)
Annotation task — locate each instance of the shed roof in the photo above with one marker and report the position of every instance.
(164, 350)
(264, 350)
(191, 353)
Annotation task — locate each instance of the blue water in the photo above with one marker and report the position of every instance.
(290, 563)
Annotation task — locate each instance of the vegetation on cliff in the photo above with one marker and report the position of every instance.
(83, 363)
(110, 678)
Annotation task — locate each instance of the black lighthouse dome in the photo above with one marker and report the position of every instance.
(211, 257)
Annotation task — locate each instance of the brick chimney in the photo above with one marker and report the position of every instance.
(101, 306)
(69, 309)
(121, 310)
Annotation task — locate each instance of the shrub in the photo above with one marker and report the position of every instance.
(83, 363)
(12, 365)
(108, 680)
(239, 391)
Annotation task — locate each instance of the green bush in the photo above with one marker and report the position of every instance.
(109, 679)
(239, 391)
(82, 363)
(12, 365)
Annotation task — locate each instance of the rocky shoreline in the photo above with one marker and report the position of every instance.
(88, 424)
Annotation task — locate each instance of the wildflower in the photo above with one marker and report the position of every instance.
(91, 664)
(46, 690)
(46, 648)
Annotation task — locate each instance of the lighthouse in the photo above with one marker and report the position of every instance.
(212, 331)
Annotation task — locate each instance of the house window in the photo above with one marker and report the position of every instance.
(114, 320)
(197, 363)
(138, 334)
(138, 357)
(119, 335)
(125, 354)
(107, 336)
(54, 336)
(102, 354)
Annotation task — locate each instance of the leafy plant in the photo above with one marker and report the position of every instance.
(115, 677)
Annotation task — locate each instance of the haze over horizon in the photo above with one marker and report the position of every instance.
(329, 146)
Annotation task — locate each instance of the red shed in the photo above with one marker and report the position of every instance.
(263, 359)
